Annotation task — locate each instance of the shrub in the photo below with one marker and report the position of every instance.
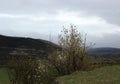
(72, 54)
(31, 72)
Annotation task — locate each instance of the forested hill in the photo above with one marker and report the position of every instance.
(19, 42)
(15, 45)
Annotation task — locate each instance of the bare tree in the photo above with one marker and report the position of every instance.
(74, 50)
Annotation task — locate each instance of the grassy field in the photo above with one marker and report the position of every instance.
(104, 75)
(4, 79)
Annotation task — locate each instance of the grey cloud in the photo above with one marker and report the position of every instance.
(107, 9)
(107, 40)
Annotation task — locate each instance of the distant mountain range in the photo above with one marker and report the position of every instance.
(38, 48)
(105, 52)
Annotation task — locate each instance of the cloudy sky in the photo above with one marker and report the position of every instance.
(100, 19)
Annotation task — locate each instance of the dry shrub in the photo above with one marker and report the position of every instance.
(31, 71)
(72, 55)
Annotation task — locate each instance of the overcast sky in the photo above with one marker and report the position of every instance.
(100, 19)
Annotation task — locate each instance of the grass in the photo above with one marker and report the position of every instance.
(104, 75)
(4, 79)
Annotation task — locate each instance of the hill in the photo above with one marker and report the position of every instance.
(104, 75)
(19, 42)
(104, 50)
(106, 53)
(37, 48)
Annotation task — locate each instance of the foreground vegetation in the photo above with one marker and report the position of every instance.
(104, 75)
(4, 79)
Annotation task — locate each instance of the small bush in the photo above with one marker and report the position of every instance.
(31, 72)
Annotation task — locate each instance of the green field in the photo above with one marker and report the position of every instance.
(4, 79)
(104, 75)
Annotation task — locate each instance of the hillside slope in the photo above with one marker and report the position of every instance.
(37, 48)
(104, 75)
